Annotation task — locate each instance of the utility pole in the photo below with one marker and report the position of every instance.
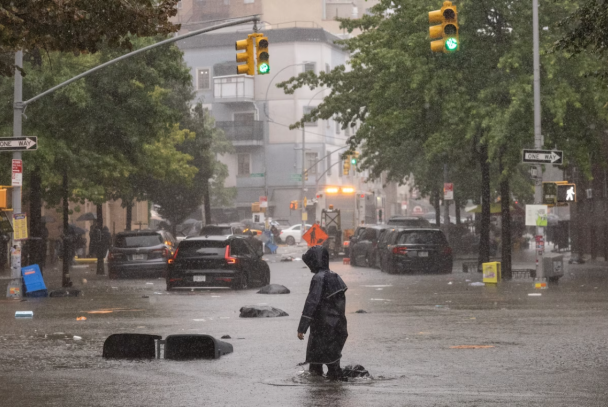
(538, 138)
(303, 230)
(17, 132)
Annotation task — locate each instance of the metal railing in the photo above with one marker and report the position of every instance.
(242, 131)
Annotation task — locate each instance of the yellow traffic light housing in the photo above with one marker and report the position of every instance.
(305, 175)
(293, 205)
(447, 29)
(247, 56)
(6, 197)
(346, 165)
(263, 57)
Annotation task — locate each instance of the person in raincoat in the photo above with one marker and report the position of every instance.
(324, 313)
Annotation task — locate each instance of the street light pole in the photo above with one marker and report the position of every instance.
(538, 138)
(17, 132)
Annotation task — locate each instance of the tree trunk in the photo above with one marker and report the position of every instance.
(38, 246)
(67, 237)
(505, 201)
(437, 209)
(129, 216)
(484, 229)
(207, 203)
(457, 211)
(100, 243)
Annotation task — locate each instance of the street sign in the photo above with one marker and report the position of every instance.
(17, 179)
(263, 202)
(20, 226)
(315, 235)
(536, 215)
(257, 175)
(543, 157)
(448, 191)
(18, 143)
(296, 177)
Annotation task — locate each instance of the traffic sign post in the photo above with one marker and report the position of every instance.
(543, 157)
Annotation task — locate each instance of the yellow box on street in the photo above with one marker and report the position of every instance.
(491, 272)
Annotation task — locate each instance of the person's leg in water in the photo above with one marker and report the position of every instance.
(334, 372)
(316, 369)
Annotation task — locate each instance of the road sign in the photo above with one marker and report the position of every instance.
(17, 179)
(448, 191)
(566, 193)
(18, 143)
(536, 215)
(20, 226)
(296, 177)
(257, 175)
(543, 157)
(263, 202)
(315, 235)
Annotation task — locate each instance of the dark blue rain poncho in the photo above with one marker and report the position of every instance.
(324, 310)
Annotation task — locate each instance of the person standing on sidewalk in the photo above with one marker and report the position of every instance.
(324, 313)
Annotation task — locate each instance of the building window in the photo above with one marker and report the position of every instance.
(337, 127)
(347, 131)
(244, 164)
(311, 163)
(327, 68)
(203, 78)
(310, 66)
(328, 164)
(179, 5)
(308, 109)
(244, 118)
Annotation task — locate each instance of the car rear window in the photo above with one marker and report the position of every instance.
(205, 248)
(412, 223)
(216, 231)
(421, 237)
(139, 240)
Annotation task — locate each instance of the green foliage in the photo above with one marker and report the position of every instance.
(78, 26)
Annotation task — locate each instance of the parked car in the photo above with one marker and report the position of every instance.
(353, 239)
(293, 234)
(217, 261)
(408, 222)
(222, 230)
(141, 253)
(362, 251)
(388, 238)
(419, 250)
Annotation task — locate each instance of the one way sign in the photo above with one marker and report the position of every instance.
(18, 143)
(543, 157)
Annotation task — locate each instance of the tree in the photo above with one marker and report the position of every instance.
(78, 26)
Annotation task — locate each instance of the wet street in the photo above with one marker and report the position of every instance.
(427, 340)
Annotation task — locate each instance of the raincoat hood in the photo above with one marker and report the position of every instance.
(317, 259)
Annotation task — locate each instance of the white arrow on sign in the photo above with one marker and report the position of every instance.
(25, 143)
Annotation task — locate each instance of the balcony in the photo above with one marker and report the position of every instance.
(233, 88)
(243, 133)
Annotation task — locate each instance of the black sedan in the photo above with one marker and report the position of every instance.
(217, 261)
(419, 250)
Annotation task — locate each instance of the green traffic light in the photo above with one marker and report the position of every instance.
(451, 44)
(353, 161)
(263, 68)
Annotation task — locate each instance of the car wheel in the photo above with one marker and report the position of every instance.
(169, 287)
(290, 240)
(241, 283)
(370, 261)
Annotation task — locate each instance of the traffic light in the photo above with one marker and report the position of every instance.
(347, 165)
(566, 193)
(247, 56)
(293, 205)
(261, 45)
(447, 30)
(549, 193)
(305, 175)
(354, 158)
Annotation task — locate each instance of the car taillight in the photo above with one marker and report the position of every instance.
(399, 250)
(172, 260)
(346, 243)
(447, 251)
(162, 253)
(229, 260)
(115, 256)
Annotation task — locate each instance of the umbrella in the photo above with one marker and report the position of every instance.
(48, 219)
(76, 229)
(87, 216)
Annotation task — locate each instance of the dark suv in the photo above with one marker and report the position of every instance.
(141, 253)
(221, 230)
(418, 250)
(217, 261)
(362, 247)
